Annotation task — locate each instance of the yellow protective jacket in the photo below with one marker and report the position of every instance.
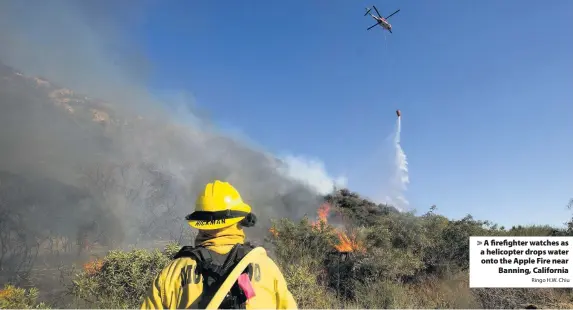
(167, 293)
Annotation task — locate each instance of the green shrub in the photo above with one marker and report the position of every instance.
(12, 297)
(120, 279)
(409, 262)
(535, 230)
(293, 241)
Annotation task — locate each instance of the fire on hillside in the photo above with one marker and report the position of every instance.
(346, 243)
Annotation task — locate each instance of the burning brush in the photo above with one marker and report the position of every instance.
(346, 244)
(93, 267)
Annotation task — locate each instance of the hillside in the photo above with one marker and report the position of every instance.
(81, 176)
(106, 175)
(128, 163)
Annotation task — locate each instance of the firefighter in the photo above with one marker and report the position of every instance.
(221, 270)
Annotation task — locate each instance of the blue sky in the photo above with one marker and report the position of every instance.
(485, 88)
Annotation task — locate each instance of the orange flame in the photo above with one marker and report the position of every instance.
(348, 244)
(7, 292)
(345, 244)
(322, 213)
(93, 267)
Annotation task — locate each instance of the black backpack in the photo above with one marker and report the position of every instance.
(214, 268)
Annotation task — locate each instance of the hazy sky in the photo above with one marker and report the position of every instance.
(485, 88)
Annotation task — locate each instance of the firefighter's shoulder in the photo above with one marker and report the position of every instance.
(267, 265)
(173, 270)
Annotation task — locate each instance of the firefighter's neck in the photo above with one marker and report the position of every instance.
(227, 236)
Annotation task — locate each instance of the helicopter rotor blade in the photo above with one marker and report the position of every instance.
(393, 13)
(377, 11)
(372, 26)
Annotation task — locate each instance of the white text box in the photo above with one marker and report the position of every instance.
(521, 262)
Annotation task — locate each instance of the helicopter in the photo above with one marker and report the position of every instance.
(383, 22)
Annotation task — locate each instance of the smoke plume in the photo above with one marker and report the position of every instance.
(86, 152)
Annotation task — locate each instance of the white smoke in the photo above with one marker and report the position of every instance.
(400, 178)
(312, 173)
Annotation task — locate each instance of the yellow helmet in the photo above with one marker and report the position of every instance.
(219, 206)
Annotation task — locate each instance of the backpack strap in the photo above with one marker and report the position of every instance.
(214, 268)
(185, 251)
(231, 279)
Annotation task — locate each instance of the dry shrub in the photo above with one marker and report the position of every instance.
(520, 297)
(302, 280)
(432, 293)
(450, 292)
(380, 294)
